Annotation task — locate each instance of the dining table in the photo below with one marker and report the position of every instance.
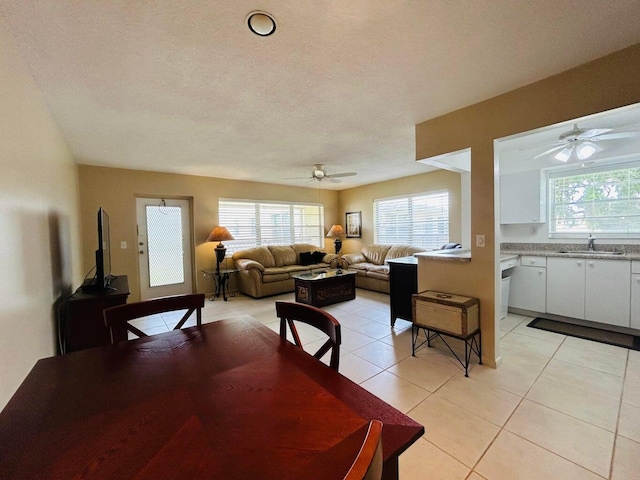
(230, 399)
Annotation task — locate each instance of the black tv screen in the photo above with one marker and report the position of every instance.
(103, 253)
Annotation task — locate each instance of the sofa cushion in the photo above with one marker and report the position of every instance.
(283, 255)
(259, 254)
(361, 266)
(376, 254)
(275, 274)
(381, 269)
(303, 247)
(378, 275)
(399, 251)
(293, 269)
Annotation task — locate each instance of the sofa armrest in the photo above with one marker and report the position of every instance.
(246, 264)
(329, 257)
(352, 258)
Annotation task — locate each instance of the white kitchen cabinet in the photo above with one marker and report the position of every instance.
(566, 286)
(608, 292)
(635, 294)
(522, 197)
(528, 284)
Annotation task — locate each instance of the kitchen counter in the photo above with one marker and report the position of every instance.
(550, 253)
(453, 255)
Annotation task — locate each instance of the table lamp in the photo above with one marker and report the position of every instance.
(336, 232)
(218, 234)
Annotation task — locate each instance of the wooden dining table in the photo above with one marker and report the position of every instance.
(230, 399)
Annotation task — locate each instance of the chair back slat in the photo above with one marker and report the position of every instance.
(117, 318)
(368, 462)
(323, 321)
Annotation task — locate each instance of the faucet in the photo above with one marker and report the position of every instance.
(591, 243)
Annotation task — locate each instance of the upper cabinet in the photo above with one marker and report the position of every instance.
(522, 198)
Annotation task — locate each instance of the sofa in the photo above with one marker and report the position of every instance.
(268, 270)
(371, 264)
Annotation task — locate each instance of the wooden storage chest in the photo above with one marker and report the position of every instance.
(453, 314)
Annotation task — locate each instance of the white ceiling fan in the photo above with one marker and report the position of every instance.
(319, 173)
(582, 143)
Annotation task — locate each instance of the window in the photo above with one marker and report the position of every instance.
(603, 200)
(421, 220)
(271, 223)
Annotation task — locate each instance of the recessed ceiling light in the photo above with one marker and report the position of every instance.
(261, 23)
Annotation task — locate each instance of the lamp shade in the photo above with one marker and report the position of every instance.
(336, 232)
(218, 234)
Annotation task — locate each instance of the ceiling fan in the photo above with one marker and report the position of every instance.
(582, 143)
(319, 173)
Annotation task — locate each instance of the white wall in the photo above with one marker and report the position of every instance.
(39, 215)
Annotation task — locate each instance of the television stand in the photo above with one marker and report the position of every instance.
(81, 321)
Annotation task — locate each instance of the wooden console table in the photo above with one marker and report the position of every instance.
(81, 322)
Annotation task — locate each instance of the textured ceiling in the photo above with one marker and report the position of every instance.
(184, 86)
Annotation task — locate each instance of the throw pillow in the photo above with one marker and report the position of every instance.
(317, 256)
(306, 258)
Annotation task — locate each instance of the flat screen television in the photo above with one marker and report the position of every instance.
(103, 253)
(103, 275)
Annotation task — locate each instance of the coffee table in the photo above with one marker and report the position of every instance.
(326, 287)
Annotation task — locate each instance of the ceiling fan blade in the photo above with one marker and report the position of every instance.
(334, 180)
(547, 152)
(593, 132)
(297, 178)
(614, 136)
(335, 175)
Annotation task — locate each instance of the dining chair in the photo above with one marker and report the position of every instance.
(117, 318)
(368, 462)
(290, 311)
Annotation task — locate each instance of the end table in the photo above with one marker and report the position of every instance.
(221, 277)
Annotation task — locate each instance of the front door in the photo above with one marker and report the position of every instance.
(164, 247)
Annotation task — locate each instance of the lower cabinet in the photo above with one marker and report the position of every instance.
(635, 294)
(528, 284)
(595, 290)
(565, 286)
(608, 292)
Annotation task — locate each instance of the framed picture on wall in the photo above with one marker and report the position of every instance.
(353, 222)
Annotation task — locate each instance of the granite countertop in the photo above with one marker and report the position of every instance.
(453, 255)
(631, 252)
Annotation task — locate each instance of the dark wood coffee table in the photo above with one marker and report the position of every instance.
(320, 289)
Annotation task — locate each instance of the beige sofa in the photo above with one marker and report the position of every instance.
(370, 264)
(267, 270)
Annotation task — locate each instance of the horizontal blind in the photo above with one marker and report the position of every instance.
(421, 220)
(604, 200)
(270, 223)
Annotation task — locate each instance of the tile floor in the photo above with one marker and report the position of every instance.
(557, 408)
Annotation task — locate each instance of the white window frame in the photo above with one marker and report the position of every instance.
(249, 228)
(553, 175)
(411, 229)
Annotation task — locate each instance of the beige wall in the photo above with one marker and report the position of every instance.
(361, 199)
(39, 252)
(116, 190)
(607, 83)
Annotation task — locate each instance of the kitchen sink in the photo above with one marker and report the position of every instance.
(590, 252)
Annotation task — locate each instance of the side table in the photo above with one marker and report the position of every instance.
(221, 277)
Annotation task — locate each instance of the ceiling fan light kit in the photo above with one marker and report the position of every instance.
(582, 143)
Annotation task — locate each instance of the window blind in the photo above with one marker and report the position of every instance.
(603, 200)
(270, 223)
(421, 220)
